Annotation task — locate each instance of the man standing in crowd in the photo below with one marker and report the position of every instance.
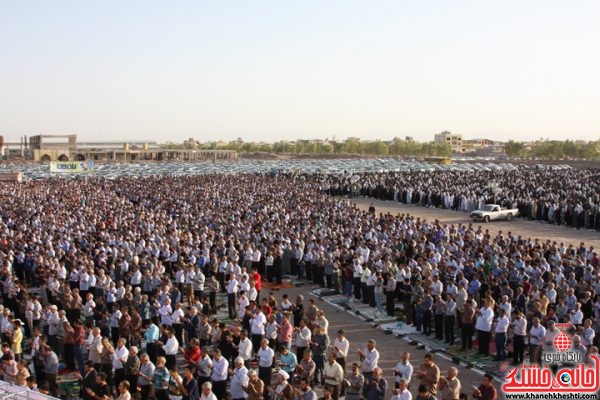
(369, 358)
(429, 374)
(485, 319)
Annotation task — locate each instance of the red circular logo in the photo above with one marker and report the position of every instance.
(562, 342)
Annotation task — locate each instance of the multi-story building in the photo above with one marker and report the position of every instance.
(455, 140)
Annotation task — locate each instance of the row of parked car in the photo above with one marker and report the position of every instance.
(336, 166)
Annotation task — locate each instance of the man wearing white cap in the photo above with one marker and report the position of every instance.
(283, 390)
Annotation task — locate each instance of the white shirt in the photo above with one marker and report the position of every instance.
(520, 326)
(358, 270)
(210, 396)
(404, 395)
(165, 314)
(83, 282)
(369, 363)
(115, 318)
(176, 316)
(502, 325)
(189, 276)
(119, 357)
(136, 279)
(258, 324)
(451, 289)
(171, 347)
(88, 308)
(461, 297)
(245, 349)
(198, 281)
(341, 347)
(243, 303)
(334, 373)
(219, 372)
(36, 310)
(551, 295)
(265, 357)
(507, 307)
(271, 330)
(577, 317)
(111, 295)
(485, 320)
(279, 390)
(180, 276)
(239, 379)
(587, 337)
(537, 334)
(404, 371)
(232, 286)
(436, 288)
(252, 294)
(303, 337)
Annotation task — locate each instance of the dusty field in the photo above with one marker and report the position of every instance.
(528, 229)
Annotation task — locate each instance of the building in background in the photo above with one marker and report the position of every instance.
(483, 147)
(455, 140)
(53, 147)
(46, 148)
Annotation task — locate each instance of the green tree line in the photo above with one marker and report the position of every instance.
(396, 147)
(554, 149)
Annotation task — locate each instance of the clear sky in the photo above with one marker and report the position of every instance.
(272, 70)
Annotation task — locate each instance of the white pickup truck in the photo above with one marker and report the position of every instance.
(491, 212)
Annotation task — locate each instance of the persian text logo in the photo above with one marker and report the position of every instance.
(561, 343)
(536, 379)
(580, 378)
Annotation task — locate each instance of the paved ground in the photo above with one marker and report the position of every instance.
(528, 229)
(390, 347)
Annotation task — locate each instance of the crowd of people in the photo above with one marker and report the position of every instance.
(564, 197)
(120, 280)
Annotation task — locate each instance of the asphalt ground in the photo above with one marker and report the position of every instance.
(390, 347)
(518, 226)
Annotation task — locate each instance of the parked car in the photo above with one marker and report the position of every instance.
(492, 212)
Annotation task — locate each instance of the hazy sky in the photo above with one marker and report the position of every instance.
(272, 70)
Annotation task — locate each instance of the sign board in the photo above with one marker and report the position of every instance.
(71, 167)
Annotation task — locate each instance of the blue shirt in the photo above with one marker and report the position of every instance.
(474, 287)
(152, 333)
(145, 311)
(290, 360)
(161, 378)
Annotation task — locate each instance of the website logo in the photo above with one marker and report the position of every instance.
(563, 371)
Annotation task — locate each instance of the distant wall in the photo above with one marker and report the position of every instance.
(11, 177)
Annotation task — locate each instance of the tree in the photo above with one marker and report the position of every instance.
(351, 145)
(376, 147)
(442, 149)
(514, 149)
